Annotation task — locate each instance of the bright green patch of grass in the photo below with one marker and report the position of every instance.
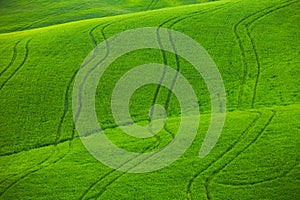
(21, 15)
(255, 47)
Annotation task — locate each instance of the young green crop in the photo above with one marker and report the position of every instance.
(23, 15)
(255, 47)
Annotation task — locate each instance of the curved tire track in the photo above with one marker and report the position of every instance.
(12, 59)
(262, 181)
(215, 172)
(31, 170)
(151, 114)
(269, 10)
(240, 138)
(285, 4)
(40, 166)
(68, 90)
(158, 87)
(177, 20)
(78, 113)
(152, 4)
(19, 67)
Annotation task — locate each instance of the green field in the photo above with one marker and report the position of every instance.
(255, 45)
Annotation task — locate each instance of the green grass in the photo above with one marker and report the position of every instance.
(21, 15)
(256, 48)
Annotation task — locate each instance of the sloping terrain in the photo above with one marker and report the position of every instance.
(21, 15)
(256, 48)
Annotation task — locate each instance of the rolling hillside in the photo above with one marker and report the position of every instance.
(22, 15)
(255, 45)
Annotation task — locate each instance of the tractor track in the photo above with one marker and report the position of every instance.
(215, 172)
(6, 178)
(152, 4)
(66, 105)
(119, 176)
(243, 55)
(246, 67)
(31, 171)
(107, 174)
(241, 47)
(167, 101)
(12, 59)
(262, 181)
(175, 50)
(285, 4)
(19, 67)
(64, 140)
(91, 70)
(15, 182)
(40, 166)
(156, 92)
(114, 170)
(206, 189)
(240, 138)
(155, 4)
(68, 90)
(78, 113)
(177, 60)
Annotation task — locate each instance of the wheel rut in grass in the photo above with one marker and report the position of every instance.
(149, 5)
(157, 89)
(44, 164)
(68, 90)
(114, 170)
(258, 63)
(285, 173)
(240, 138)
(12, 59)
(206, 189)
(176, 20)
(247, 25)
(258, 135)
(19, 178)
(19, 67)
(78, 113)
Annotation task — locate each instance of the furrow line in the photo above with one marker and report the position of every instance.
(245, 148)
(215, 172)
(12, 59)
(19, 67)
(206, 189)
(151, 114)
(155, 95)
(243, 55)
(66, 106)
(31, 170)
(240, 138)
(167, 103)
(149, 5)
(78, 113)
(254, 46)
(262, 181)
(67, 92)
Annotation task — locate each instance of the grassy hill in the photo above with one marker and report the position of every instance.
(22, 15)
(256, 48)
